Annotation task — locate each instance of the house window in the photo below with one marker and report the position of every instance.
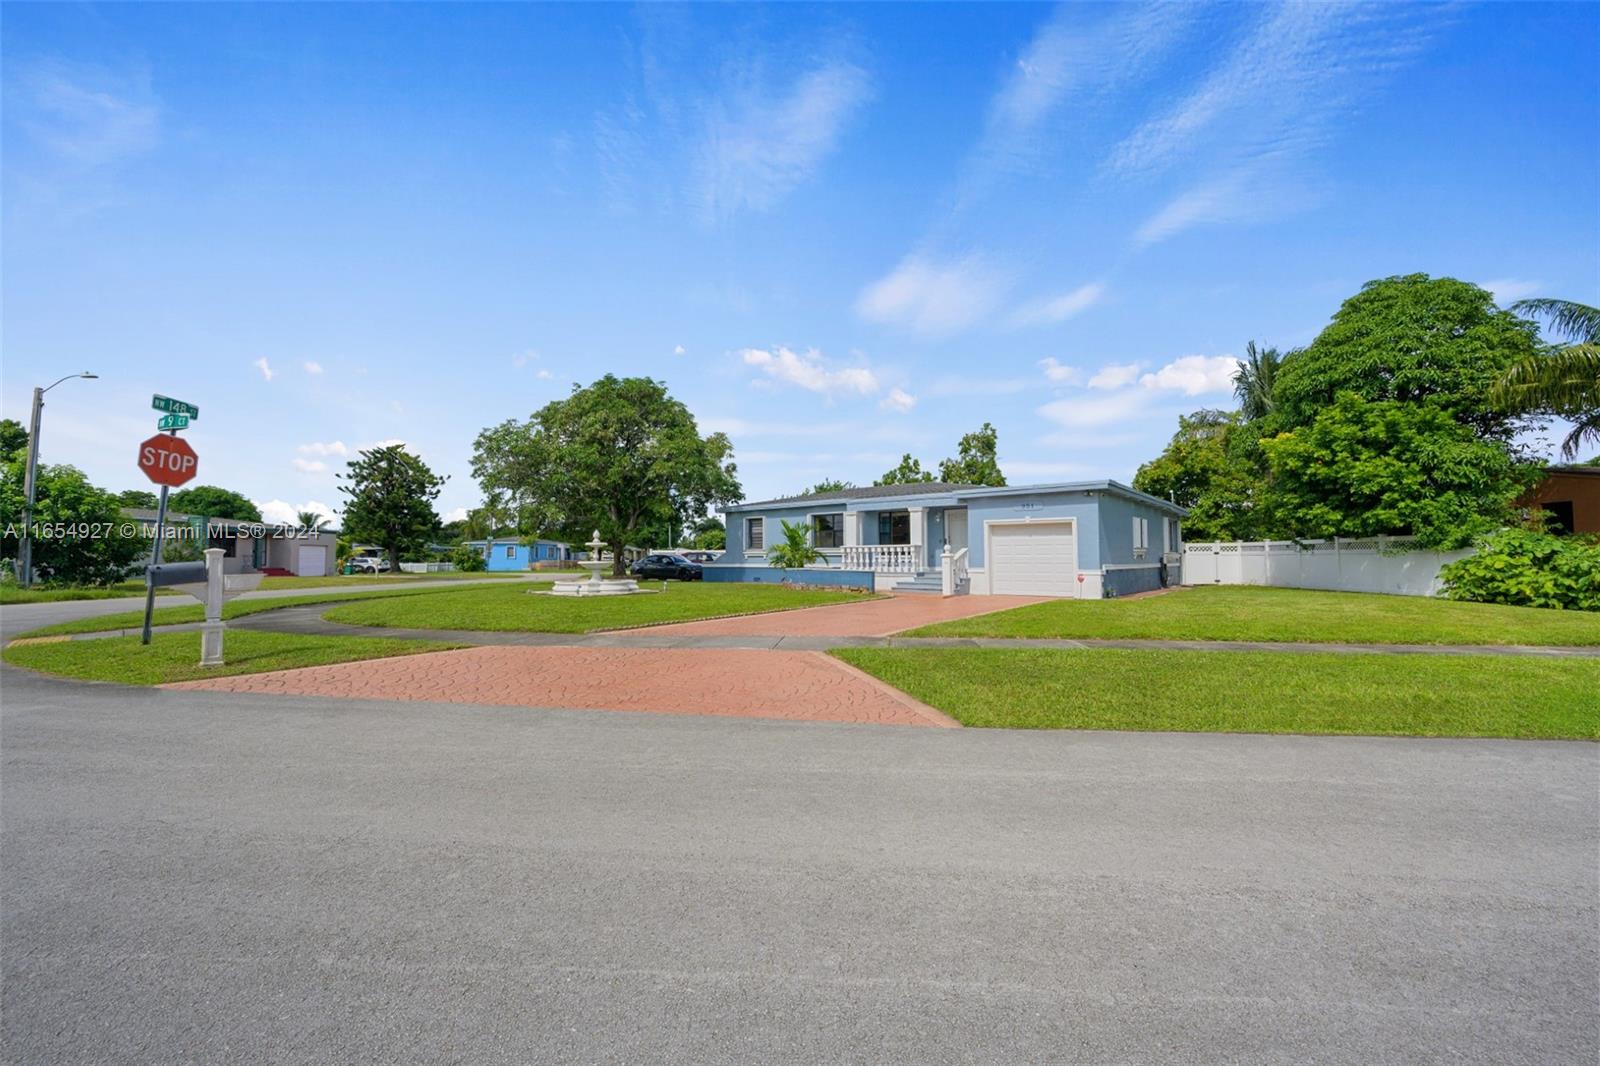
(894, 527)
(755, 534)
(1174, 538)
(1562, 519)
(511, 551)
(827, 531)
(1141, 537)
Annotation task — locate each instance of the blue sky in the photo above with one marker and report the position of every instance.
(837, 233)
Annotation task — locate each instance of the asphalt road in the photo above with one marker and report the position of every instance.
(198, 878)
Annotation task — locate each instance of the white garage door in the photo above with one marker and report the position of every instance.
(1033, 559)
(311, 562)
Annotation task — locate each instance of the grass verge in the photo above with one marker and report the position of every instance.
(1239, 612)
(391, 580)
(175, 656)
(11, 593)
(1247, 692)
(514, 610)
(195, 612)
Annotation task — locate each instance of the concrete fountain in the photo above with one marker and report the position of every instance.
(596, 585)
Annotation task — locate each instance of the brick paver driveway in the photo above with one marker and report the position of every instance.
(868, 618)
(801, 685)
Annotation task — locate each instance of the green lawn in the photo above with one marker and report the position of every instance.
(238, 608)
(1248, 692)
(515, 609)
(176, 656)
(1239, 612)
(10, 593)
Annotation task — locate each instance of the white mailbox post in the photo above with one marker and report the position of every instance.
(210, 586)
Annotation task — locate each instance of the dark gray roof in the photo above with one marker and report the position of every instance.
(873, 492)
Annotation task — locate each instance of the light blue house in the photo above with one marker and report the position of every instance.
(1084, 539)
(509, 553)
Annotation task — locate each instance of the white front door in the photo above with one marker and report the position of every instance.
(311, 562)
(1033, 558)
(955, 528)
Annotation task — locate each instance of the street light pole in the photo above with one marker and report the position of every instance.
(25, 548)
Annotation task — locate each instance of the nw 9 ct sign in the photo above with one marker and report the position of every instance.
(168, 460)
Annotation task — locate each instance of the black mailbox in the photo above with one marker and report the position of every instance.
(166, 574)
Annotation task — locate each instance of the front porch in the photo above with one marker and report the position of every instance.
(911, 547)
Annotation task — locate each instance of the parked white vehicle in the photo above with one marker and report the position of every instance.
(369, 564)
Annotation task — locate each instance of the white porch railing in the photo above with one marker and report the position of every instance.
(952, 570)
(882, 558)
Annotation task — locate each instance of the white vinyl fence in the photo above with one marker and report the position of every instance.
(1379, 564)
(426, 568)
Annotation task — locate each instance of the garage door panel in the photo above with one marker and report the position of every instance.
(311, 562)
(1034, 559)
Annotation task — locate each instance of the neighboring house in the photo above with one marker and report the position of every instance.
(510, 553)
(250, 546)
(1571, 494)
(1083, 540)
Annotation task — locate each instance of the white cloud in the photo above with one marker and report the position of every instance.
(758, 146)
(933, 298)
(1195, 374)
(677, 349)
(332, 447)
(1059, 308)
(1059, 372)
(267, 373)
(281, 511)
(1251, 123)
(1093, 411)
(312, 368)
(898, 400)
(87, 116)
(1508, 291)
(457, 515)
(1115, 376)
(310, 466)
(809, 370)
(522, 359)
(543, 374)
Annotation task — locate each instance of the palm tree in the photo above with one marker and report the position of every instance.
(1564, 380)
(796, 549)
(1252, 383)
(313, 521)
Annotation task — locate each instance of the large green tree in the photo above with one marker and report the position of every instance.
(977, 460)
(1364, 467)
(140, 498)
(1202, 468)
(1411, 339)
(1564, 380)
(212, 501)
(619, 456)
(390, 500)
(85, 539)
(909, 472)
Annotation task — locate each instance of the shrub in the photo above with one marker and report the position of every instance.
(1529, 569)
(796, 549)
(469, 559)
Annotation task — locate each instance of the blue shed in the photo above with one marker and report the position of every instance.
(509, 553)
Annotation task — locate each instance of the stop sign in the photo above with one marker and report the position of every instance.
(168, 460)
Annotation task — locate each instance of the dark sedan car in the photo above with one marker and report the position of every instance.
(672, 567)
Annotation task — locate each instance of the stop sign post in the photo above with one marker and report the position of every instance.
(169, 462)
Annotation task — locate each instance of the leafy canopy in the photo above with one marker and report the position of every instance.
(1530, 569)
(390, 500)
(1363, 468)
(1411, 339)
(976, 461)
(1200, 470)
(618, 456)
(210, 501)
(909, 472)
(64, 498)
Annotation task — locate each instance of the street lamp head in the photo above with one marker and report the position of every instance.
(86, 374)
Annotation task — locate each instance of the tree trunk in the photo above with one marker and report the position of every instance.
(394, 559)
(618, 564)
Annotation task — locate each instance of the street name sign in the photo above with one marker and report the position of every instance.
(167, 405)
(173, 422)
(168, 460)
